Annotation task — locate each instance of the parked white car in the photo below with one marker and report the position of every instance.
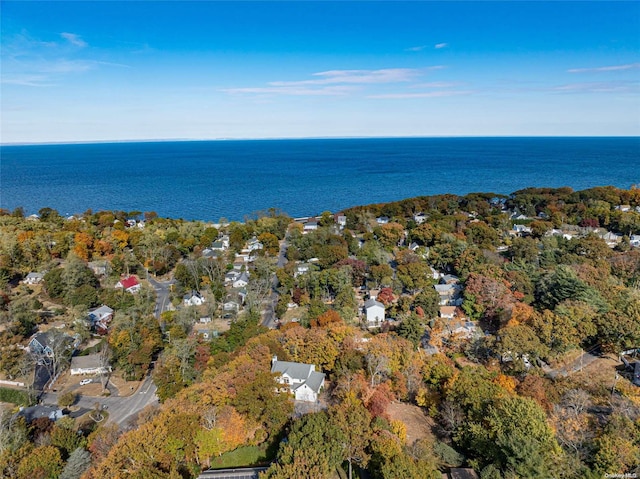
(85, 381)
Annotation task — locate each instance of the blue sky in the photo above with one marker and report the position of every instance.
(94, 71)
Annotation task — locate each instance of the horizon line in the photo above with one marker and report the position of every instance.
(277, 138)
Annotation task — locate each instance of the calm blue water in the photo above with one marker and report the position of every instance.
(212, 179)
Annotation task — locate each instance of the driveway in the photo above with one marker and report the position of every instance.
(586, 358)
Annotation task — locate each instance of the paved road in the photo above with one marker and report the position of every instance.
(586, 358)
(120, 409)
(269, 318)
(162, 295)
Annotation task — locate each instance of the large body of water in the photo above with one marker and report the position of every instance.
(207, 180)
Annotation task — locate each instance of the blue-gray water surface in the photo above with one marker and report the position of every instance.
(207, 180)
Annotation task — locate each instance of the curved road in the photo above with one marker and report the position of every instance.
(120, 408)
(162, 294)
(269, 319)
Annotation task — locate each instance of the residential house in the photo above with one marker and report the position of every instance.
(310, 225)
(382, 220)
(205, 330)
(39, 345)
(99, 268)
(302, 380)
(634, 240)
(36, 412)
(341, 220)
(612, 239)
(242, 258)
(193, 298)
(210, 253)
(242, 280)
(43, 344)
(231, 306)
(231, 276)
(90, 364)
(521, 230)
(449, 294)
(33, 278)
(130, 284)
(374, 311)
(461, 328)
(301, 268)
(220, 245)
(100, 317)
(447, 312)
(449, 279)
(518, 216)
(253, 244)
(623, 208)
(419, 218)
(414, 246)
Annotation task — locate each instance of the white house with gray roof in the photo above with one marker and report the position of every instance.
(374, 311)
(33, 278)
(301, 379)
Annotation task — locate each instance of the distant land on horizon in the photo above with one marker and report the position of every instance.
(294, 138)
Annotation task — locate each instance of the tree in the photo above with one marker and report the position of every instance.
(389, 234)
(378, 273)
(562, 284)
(414, 276)
(516, 436)
(102, 440)
(492, 297)
(42, 463)
(353, 421)
(429, 300)
(270, 243)
(66, 439)
(313, 446)
(67, 399)
(412, 329)
(78, 462)
(482, 235)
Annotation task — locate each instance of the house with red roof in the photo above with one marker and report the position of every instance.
(130, 284)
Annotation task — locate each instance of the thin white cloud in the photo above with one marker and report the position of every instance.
(440, 45)
(292, 90)
(609, 68)
(419, 48)
(74, 39)
(386, 75)
(338, 82)
(436, 84)
(599, 87)
(428, 94)
(26, 80)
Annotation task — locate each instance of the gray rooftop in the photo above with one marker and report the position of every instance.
(297, 371)
(315, 380)
(86, 362)
(372, 302)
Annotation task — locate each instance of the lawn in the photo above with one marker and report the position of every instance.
(243, 456)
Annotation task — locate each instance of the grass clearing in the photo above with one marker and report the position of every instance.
(242, 456)
(16, 396)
